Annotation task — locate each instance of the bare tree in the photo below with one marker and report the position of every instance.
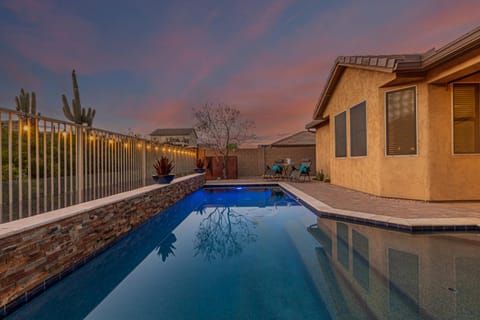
(221, 128)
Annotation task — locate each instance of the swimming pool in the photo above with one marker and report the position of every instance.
(256, 253)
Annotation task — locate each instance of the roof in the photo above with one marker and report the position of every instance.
(315, 124)
(406, 66)
(299, 139)
(174, 132)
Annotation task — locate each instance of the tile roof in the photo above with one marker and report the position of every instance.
(406, 64)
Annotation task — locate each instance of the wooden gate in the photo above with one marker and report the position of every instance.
(215, 168)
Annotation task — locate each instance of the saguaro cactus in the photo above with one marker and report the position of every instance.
(26, 104)
(78, 114)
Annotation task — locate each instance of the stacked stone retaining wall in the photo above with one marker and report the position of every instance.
(38, 250)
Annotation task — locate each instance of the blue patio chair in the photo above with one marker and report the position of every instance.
(278, 168)
(304, 169)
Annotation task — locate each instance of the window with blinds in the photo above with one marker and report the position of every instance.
(341, 135)
(401, 122)
(358, 130)
(466, 119)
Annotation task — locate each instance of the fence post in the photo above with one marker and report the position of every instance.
(144, 164)
(80, 169)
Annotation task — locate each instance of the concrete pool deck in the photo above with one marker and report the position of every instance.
(409, 215)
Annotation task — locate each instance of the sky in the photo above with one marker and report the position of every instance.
(146, 64)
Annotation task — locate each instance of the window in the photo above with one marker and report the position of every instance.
(341, 135)
(466, 133)
(401, 122)
(358, 130)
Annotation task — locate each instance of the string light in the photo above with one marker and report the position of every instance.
(26, 127)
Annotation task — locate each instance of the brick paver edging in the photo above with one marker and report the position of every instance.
(396, 223)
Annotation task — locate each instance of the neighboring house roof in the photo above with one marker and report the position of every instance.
(407, 67)
(315, 124)
(174, 132)
(299, 139)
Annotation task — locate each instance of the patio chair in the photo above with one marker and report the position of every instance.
(268, 173)
(305, 169)
(294, 174)
(278, 168)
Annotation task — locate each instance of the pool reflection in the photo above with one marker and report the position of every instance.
(378, 273)
(223, 233)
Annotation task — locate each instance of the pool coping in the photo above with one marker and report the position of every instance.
(413, 225)
(24, 224)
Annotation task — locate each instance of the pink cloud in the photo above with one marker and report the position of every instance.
(265, 20)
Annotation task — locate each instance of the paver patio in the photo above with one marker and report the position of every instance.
(354, 204)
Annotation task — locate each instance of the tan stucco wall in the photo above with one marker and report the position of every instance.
(323, 152)
(359, 173)
(452, 176)
(435, 173)
(406, 176)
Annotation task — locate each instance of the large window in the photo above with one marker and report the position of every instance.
(358, 130)
(401, 122)
(466, 133)
(341, 135)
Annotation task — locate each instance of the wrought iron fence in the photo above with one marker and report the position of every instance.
(49, 164)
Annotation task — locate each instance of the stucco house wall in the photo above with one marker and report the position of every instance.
(435, 173)
(405, 176)
(452, 176)
(359, 173)
(322, 151)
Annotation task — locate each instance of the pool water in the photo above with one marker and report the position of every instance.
(255, 253)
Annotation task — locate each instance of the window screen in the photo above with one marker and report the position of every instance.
(341, 135)
(358, 130)
(401, 122)
(465, 119)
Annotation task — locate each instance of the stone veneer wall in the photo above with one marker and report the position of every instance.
(36, 249)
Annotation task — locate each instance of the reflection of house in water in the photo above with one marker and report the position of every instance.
(393, 275)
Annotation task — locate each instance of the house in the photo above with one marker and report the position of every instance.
(404, 126)
(176, 136)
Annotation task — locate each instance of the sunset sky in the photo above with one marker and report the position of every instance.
(146, 64)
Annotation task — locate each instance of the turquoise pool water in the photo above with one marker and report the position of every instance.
(257, 254)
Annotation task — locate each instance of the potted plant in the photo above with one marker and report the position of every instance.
(163, 167)
(200, 166)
